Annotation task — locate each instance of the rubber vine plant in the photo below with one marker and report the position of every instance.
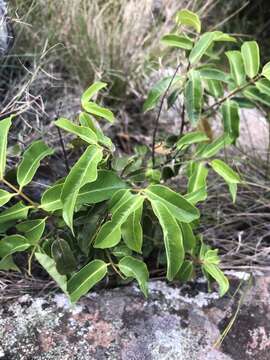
(114, 215)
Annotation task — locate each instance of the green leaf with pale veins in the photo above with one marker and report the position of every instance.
(4, 129)
(225, 171)
(51, 198)
(82, 132)
(209, 150)
(177, 41)
(134, 268)
(194, 96)
(99, 111)
(237, 66)
(49, 265)
(83, 172)
(251, 55)
(188, 18)
(191, 138)
(32, 229)
(63, 257)
(132, 231)
(12, 244)
(15, 212)
(32, 157)
(172, 235)
(178, 206)
(263, 86)
(256, 95)
(201, 46)
(266, 71)
(81, 282)
(5, 197)
(189, 239)
(198, 177)
(91, 91)
(231, 118)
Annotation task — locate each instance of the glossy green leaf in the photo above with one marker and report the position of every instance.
(191, 138)
(201, 47)
(157, 91)
(217, 275)
(254, 94)
(233, 191)
(4, 129)
(82, 132)
(189, 239)
(266, 71)
(91, 91)
(263, 86)
(186, 271)
(13, 244)
(178, 206)
(213, 148)
(188, 18)
(210, 73)
(99, 111)
(134, 268)
(198, 177)
(225, 171)
(32, 157)
(243, 102)
(231, 118)
(32, 230)
(236, 66)
(194, 96)
(251, 55)
(5, 197)
(221, 36)
(121, 251)
(63, 257)
(132, 231)
(215, 88)
(15, 212)
(105, 186)
(197, 196)
(81, 282)
(83, 172)
(110, 233)
(8, 264)
(178, 41)
(49, 265)
(51, 198)
(172, 238)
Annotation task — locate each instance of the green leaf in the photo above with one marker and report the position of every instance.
(132, 267)
(191, 138)
(4, 129)
(186, 271)
(197, 196)
(266, 71)
(100, 111)
(213, 148)
(209, 73)
(178, 41)
(231, 118)
(13, 244)
(263, 86)
(83, 172)
(198, 178)
(132, 231)
(201, 47)
(15, 212)
(254, 94)
(217, 275)
(243, 102)
(110, 233)
(5, 197)
(63, 257)
(81, 282)
(157, 91)
(194, 96)
(105, 186)
(251, 55)
(189, 239)
(221, 36)
(32, 229)
(49, 265)
(91, 91)
(215, 88)
(7, 264)
(225, 171)
(172, 238)
(32, 157)
(51, 198)
(121, 251)
(178, 206)
(82, 132)
(188, 18)
(237, 66)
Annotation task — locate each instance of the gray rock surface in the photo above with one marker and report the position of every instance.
(173, 323)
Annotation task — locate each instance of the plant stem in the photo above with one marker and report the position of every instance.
(159, 113)
(19, 193)
(114, 266)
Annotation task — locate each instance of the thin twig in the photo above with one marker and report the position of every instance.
(19, 193)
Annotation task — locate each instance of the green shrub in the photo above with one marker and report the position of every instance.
(116, 214)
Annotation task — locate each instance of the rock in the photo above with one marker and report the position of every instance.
(6, 31)
(173, 323)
